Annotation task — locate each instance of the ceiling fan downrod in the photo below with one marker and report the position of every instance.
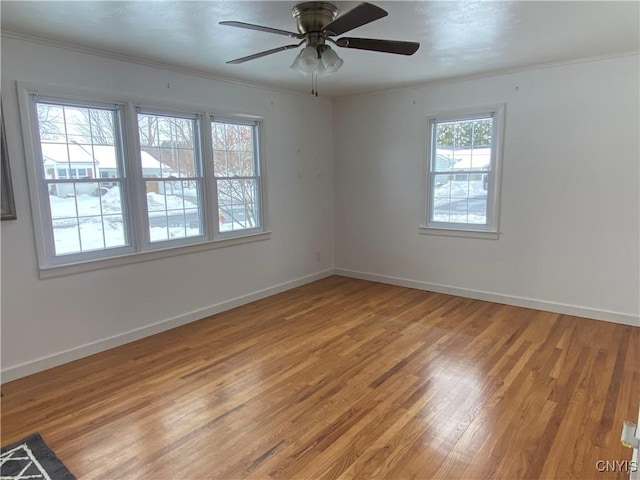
(313, 17)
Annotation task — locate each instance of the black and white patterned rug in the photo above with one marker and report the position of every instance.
(31, 458)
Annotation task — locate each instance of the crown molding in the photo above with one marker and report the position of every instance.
(146, 62)
(490, 74)
(229, 80)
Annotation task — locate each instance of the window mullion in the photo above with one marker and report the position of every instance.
(136, 189)
(42, 214)
(492, 206)
(462, 172)
(200, 147)
(209, 184)
(257, 171)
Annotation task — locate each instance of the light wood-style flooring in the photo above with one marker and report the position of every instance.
(344, 378)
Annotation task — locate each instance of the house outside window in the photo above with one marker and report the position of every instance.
(463, 172)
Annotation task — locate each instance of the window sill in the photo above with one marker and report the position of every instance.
(454, 232)
(90, 265)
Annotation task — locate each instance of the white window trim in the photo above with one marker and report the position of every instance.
(259, 133)
(492, 229)
(138, 250)
(138, 257)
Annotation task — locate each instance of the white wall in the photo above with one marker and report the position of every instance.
(44, 318)
(569, 217)
(570, 204)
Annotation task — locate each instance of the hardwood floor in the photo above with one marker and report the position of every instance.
(344, 378)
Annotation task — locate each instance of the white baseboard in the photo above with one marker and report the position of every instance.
(50, 361)
(22, 370)
(607, 316)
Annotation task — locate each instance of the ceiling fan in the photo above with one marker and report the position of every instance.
(317, 23)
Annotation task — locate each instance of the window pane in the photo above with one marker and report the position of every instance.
(480, 158)
(174, 209)
(461, 199)
(79, 157)
(51, 123)
(66, 237)
(168, 146)
(233, 149)
(234, 166)
(113, 230)
(220, 161)
(86, 216)
(443, 161)
(83, 125)
(238, 203)
(464, 133)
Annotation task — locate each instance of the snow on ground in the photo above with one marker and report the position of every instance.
(85, 205)
(157, 201)
(459, 189)
(85, 222)
(169, 233)
(460, 201)
(460, 218)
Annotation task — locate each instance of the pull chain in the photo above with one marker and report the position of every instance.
(314, 83)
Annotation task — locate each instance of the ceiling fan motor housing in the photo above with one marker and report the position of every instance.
(312, 17)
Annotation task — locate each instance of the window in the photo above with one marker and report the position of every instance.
(462, 173)
(76, 138)
(170, 159)
(236, 169)
(112, 180)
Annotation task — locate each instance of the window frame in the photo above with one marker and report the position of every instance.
(199, 148)
(45, 242)
(490, 230)
(135, 215)
(258, 167)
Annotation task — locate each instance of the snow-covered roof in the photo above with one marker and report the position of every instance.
(468, 158)
(104, 155)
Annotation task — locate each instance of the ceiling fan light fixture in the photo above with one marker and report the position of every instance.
(330, 62)
(307, 60)
(296, 66)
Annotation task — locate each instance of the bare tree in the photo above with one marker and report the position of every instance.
(170, 141)
(235, 169)
(86, 126)
(50, 122)
(147, 126)
(98, 126)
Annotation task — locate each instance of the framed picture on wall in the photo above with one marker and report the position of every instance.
(8, 204)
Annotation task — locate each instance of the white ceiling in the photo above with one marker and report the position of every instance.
(457, 39)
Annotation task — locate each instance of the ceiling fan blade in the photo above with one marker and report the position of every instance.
(263, 54)
(250, 26)
(377, 45)
(360, 15)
